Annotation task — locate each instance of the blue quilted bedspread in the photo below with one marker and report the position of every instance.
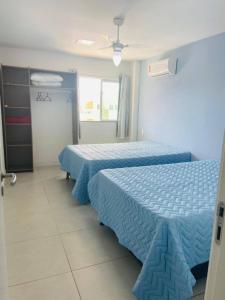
(164, 215)
(84, 161)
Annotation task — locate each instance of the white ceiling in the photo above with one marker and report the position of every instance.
(159, 25)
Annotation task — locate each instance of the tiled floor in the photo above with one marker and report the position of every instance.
(56, 248)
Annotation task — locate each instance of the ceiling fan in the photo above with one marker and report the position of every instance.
(117, 45)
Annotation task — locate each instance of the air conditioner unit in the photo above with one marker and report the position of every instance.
(163, 67)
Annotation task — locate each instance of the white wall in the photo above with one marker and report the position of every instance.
(64, 62)
(90, 132)
(187, 110)
(135, 93)
(98, 132)
(51, 126)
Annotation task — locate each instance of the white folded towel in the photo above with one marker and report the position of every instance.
(46, 83)
(43, 77)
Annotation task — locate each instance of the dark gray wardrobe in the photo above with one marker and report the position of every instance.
(17, 118)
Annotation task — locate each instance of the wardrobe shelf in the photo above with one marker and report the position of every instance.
(57, 88)
(16, 107)
(20, 145)
(20, 124)
(15, 84)
(20, 170)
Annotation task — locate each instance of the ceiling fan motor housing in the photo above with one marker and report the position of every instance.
(118, 21)
(117, 46)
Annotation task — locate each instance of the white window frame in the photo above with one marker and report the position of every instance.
(105, 80)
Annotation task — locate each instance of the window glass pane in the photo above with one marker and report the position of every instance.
(110, 94)
(90, 94)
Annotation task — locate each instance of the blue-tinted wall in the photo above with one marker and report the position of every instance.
(188, 109)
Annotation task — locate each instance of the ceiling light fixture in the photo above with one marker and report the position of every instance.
(117, 57)
(117, 45)
(86, 42)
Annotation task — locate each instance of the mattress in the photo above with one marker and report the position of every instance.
(84, 161)
(164, 215)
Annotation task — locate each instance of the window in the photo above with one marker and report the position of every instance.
(110, 94)
(98, 99)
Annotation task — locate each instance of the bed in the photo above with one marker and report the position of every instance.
(84, 161)
(163, 214)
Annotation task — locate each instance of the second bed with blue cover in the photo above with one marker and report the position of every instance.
(164, 215)
(84, 161)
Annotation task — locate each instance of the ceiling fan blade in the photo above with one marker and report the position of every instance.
(107, 38)
(107, 47)
(136, 46)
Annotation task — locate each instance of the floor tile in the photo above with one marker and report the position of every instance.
(30, 226)
(35, 259)
(57, 185)
(22, 178)
(59, 193)
(199, 297)
(39, 174)
(60, 287)
(199, 288)
(19, 205)
(92, 246)
(24, 190)
(62, 200)
(49, 172)
(76, 218)
(111, 280)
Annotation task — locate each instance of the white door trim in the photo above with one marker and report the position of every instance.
(215, 287)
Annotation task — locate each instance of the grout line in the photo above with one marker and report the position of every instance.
(101, 263)
(51, 212)
(39, 279)
(202, 294)
(16, 217)
(78, 230)
(74, 279)
(46, 195)
(70, 267)
(199, 293)
(8, 244)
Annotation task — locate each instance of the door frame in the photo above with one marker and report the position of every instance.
(215, 286)
(3, 260)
